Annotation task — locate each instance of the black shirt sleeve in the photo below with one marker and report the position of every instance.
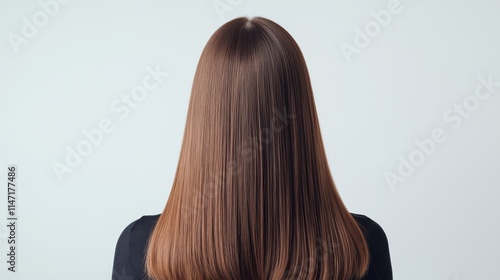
(122, 260)
(131, 249)
(380, 260)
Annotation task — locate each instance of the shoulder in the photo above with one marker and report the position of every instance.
(373, 230)
(131, 247)
(144, 225)
(380, 261)
(138, 229)
(374, 233)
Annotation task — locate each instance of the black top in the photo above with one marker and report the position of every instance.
(131, 247)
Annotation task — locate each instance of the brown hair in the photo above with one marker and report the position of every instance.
(253, 197)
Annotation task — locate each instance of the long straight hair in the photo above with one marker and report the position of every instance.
(253, 197)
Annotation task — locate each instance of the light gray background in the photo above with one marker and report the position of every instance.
(442, 221)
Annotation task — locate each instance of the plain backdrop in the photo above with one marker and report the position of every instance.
(429, 72)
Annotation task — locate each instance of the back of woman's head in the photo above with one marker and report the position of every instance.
(253, 197)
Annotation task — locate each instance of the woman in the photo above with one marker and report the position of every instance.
(253, 197)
